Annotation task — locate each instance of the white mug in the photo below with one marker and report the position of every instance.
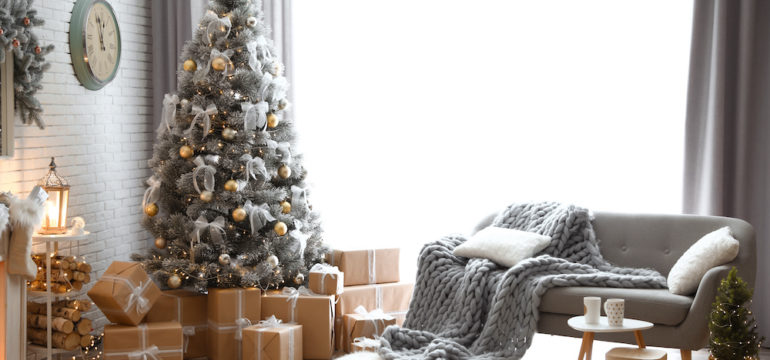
(593, 308)
(614, 309)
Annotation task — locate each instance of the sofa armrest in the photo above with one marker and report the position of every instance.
(695, 326)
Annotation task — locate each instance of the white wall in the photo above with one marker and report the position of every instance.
(101, 139)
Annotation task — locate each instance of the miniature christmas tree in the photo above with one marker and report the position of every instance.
(733, 333)
(227, 201)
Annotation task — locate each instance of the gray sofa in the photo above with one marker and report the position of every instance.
(651, 241)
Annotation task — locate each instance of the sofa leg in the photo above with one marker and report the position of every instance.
(686, 354)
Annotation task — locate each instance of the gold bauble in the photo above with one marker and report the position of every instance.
(206, 196)
(160, 243)
(272, 120)
(299, 279)
(186, 152)
(282, 104)
(285, 207)
(272, 260)
(231, 185)
(174, 281)
(280, 228)
(284, 171)
(189, 65)
(219, 64)
(229, 133)
(151, 209)
(239, 214)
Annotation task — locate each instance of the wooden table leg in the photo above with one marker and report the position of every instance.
(582, 347)
(639, 339)
(686, 354)
(590, 345)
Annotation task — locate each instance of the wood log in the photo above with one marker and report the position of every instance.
(59, 308)
(84, 267)
(35, 308)
(58, 339)
(82, 305)
(78, 276)
(87, 278)
(77, 285)
(83, 326)
(59, 288)
(57, 262)
(59, 324)
(57, 275)
(85, 340)
(67, 313)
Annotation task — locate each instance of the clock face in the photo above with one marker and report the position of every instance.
(101, 42)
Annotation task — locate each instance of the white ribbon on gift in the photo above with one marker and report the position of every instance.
(152, 352)
(269, 323)
(299, 198)
(152, 194)
(292, 296)
(170, 101)
(367, 343)
(372, 266)
(136, 299)
(259, 216)
(205, 114)
(255, 115)
(254, 165)
(224, 25)
(327, 270)
(376, 316)
(208, 174)
(216, 232)
(241, 322)
(189, 330)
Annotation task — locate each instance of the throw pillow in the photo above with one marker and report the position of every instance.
(503, 246)
(713, 249)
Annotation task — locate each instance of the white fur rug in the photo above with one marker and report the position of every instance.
(362, 355)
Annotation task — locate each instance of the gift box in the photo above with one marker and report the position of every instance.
(314, 312)
(365, 324)
(188, 308)
(157, 340)
(325, 279)
(124, 293)
(393, 299)
(229, 312)
(365, 344)
(361, 267)
(272, 340)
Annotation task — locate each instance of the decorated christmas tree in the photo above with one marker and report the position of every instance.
(733, 333)
(227, 202)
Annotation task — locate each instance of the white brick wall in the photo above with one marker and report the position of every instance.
(101, 139)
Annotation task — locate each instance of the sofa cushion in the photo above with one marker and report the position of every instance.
(658, 306)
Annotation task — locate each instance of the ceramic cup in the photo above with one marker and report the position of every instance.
(614, 308)
(592, 306)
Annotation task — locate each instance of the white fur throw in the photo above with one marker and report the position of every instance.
(713, 249)
(504, 246)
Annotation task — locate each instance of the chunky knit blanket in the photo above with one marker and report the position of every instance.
(472, 308)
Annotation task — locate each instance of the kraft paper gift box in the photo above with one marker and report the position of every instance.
(229, 312)
(365, 344)
(272, 340)
(362, 267)
(365, 324)
(314, 312)
(393, 299)
(156, 340)
(124, 293)
(325, 279)
(189, 309)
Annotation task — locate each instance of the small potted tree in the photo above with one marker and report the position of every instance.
(733, 332)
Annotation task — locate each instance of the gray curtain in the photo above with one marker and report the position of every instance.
(278, 19)
(727, 146)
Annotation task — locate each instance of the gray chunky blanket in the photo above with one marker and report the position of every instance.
(472, 308)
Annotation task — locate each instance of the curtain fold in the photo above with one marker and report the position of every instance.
(278, 15)
(727, 129)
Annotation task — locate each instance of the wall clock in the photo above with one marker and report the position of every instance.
(94, 43)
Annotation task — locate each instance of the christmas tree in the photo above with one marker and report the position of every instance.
(733, 333)
(227, 201)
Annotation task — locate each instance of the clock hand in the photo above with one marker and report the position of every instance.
(101, 36)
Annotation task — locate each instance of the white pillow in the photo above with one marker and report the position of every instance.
(713, 249)
(503, 246)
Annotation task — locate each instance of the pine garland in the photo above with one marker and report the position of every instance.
(733, 332)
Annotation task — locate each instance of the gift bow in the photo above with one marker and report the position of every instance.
(282, 150)
(272, 322)
(255, 115)
(259, 216)
(136, 299)
(280, 87)
(366, 343)
(151, 352)
(169, 112)
(300, 237)
(200, 113)
(254, 166)
(216, 231)
(293, 295)
(208, 175)
(224, 23)
(264, 84)
(299, 198)
(261, 44)
(376, 316)
(253, 61)
(326, 270)
(152, 194)
(240, 324)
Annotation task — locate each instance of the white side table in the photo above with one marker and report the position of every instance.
(579, 323)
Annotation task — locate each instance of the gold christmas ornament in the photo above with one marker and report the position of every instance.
(284, 171)
(299, 279)
(224, 259)
(272, 260)
(219, 64)
(190, 65)
(231, 185)
(239, 214)
(174, 281)
(206, 196)
(229, 133)
(151, 209)
(272, 120)
(280, 228)
(186, 152)
(282, 104)
(160, 243)
(285, 207)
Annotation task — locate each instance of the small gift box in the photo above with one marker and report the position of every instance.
(189, 309)
(366, 324)
(159, 340)
(124, 293)
(272, 340)
(229, 312)
(393, 299)
(325, 279)
(362, 267)
(365, 344)
(314, 312)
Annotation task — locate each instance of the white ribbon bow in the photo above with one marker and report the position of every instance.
(280, 86)
(376, 316)
(270, 322)
(136, 299)
(262, 47)
(367, 343)
(282, 150)
(259, 216)
(300, 237)
(254, 166)
(208, 175)
(326, 270)
(200, 113)
(169, 112)
(240, 324)
(152, 194)
(151, 352)
(217, 26)
(264, 84)
(293, 295)
(255, 115)
(254, 63)
(216, 232)
(299, 198)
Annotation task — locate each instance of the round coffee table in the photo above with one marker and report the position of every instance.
(579, 323)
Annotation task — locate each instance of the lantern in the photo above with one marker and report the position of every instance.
(55, 220)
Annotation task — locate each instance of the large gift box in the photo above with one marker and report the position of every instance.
(325, 279)
(365, 324)
(393, 299)
(373, 266)
(189, 309)
(229, 312)
(159, 340)
(124, 293)
(314, 312)
(272, 340)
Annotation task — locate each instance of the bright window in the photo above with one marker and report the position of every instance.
(419, 117)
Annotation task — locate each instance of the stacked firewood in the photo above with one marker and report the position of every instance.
(69, 329)
(67, 274)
